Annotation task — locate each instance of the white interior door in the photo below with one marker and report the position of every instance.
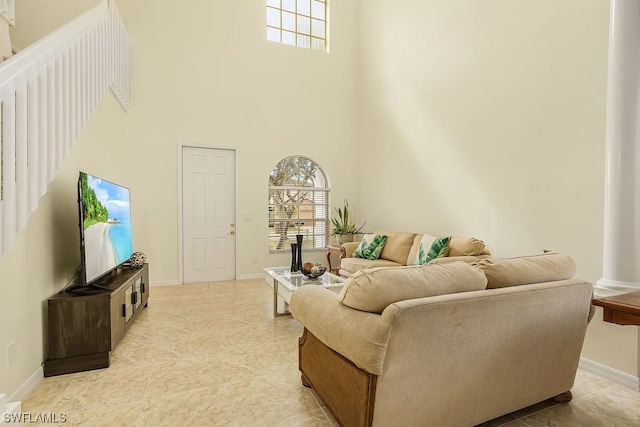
(208, 215)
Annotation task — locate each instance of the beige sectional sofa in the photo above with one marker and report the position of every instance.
(400, 250)
(452, 344)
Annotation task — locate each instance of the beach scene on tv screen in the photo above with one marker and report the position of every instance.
(107, 225)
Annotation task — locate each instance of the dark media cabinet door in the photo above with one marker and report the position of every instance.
(86, 325)
(117, 315)
(79, 326)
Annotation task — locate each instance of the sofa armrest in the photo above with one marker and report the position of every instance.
(349, 247)
(359, 336)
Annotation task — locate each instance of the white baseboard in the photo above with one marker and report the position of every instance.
(28, 386)
(614, 375)
(11, 414)
(178, 282)
(165, 283)
(250, 276)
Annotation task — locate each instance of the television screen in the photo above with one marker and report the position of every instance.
(105, 226)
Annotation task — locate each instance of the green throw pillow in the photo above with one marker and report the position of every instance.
(371, 246)
(431, 248)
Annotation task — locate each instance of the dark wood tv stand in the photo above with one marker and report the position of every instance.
(84, 326)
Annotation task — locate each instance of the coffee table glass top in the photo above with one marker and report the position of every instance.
(285, 282)
(294, 280)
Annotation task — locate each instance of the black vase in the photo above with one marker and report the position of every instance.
(299, 240)
(294, 264)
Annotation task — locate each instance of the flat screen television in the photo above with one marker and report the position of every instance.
(106, 240)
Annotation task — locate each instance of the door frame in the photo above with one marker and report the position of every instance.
(180, 146)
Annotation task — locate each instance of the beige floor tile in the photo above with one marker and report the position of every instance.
(315, 418)
(47, 394)
(612, 406)
(108, 387)
(99, 415)
(177, 409)
(586, 383)
(212, 354)
(179, 376)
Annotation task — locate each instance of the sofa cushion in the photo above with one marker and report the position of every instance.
(354, 264)
(465, 246)
(524, 270)
(466, 258)
(374, 289)
(430, 248)
(370, 246)
(397, 246)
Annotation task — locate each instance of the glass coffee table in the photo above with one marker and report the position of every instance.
(285, 282)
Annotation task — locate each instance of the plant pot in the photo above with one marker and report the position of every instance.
(344, 238)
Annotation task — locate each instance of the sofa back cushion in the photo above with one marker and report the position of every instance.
(397, 246)
(372, 290)
(465, 246)
(524, 270)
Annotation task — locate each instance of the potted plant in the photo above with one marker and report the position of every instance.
(343, 227)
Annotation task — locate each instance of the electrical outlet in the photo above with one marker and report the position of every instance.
(255, 259)
(10, 353)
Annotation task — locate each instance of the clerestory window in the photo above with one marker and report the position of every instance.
(298, 204)
(301, 23)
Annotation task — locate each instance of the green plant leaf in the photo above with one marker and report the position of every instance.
(342, 223)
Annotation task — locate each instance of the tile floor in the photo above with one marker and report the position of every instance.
(212, 354)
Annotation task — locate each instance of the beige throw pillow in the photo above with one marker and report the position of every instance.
(397, 246)
(505, 272)
(374, 289)
(464, 246)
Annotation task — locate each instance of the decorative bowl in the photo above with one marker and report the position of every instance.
(313, 271)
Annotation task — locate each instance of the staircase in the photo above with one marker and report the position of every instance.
(48, 92)
(9, 411)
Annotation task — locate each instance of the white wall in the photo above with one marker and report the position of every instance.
(204, 74)
(46, 255)
(37, 18)
(488, 119)
(5, 40)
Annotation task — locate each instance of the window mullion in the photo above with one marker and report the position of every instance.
(281, 31)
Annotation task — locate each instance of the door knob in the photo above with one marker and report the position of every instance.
(232, 232)
(232, 224)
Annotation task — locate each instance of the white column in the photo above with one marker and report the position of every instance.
(621, 260)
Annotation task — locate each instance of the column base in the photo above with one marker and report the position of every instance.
(607, 287)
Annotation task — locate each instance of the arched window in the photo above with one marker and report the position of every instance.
(298, 204)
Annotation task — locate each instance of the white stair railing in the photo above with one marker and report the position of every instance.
(48, 92)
